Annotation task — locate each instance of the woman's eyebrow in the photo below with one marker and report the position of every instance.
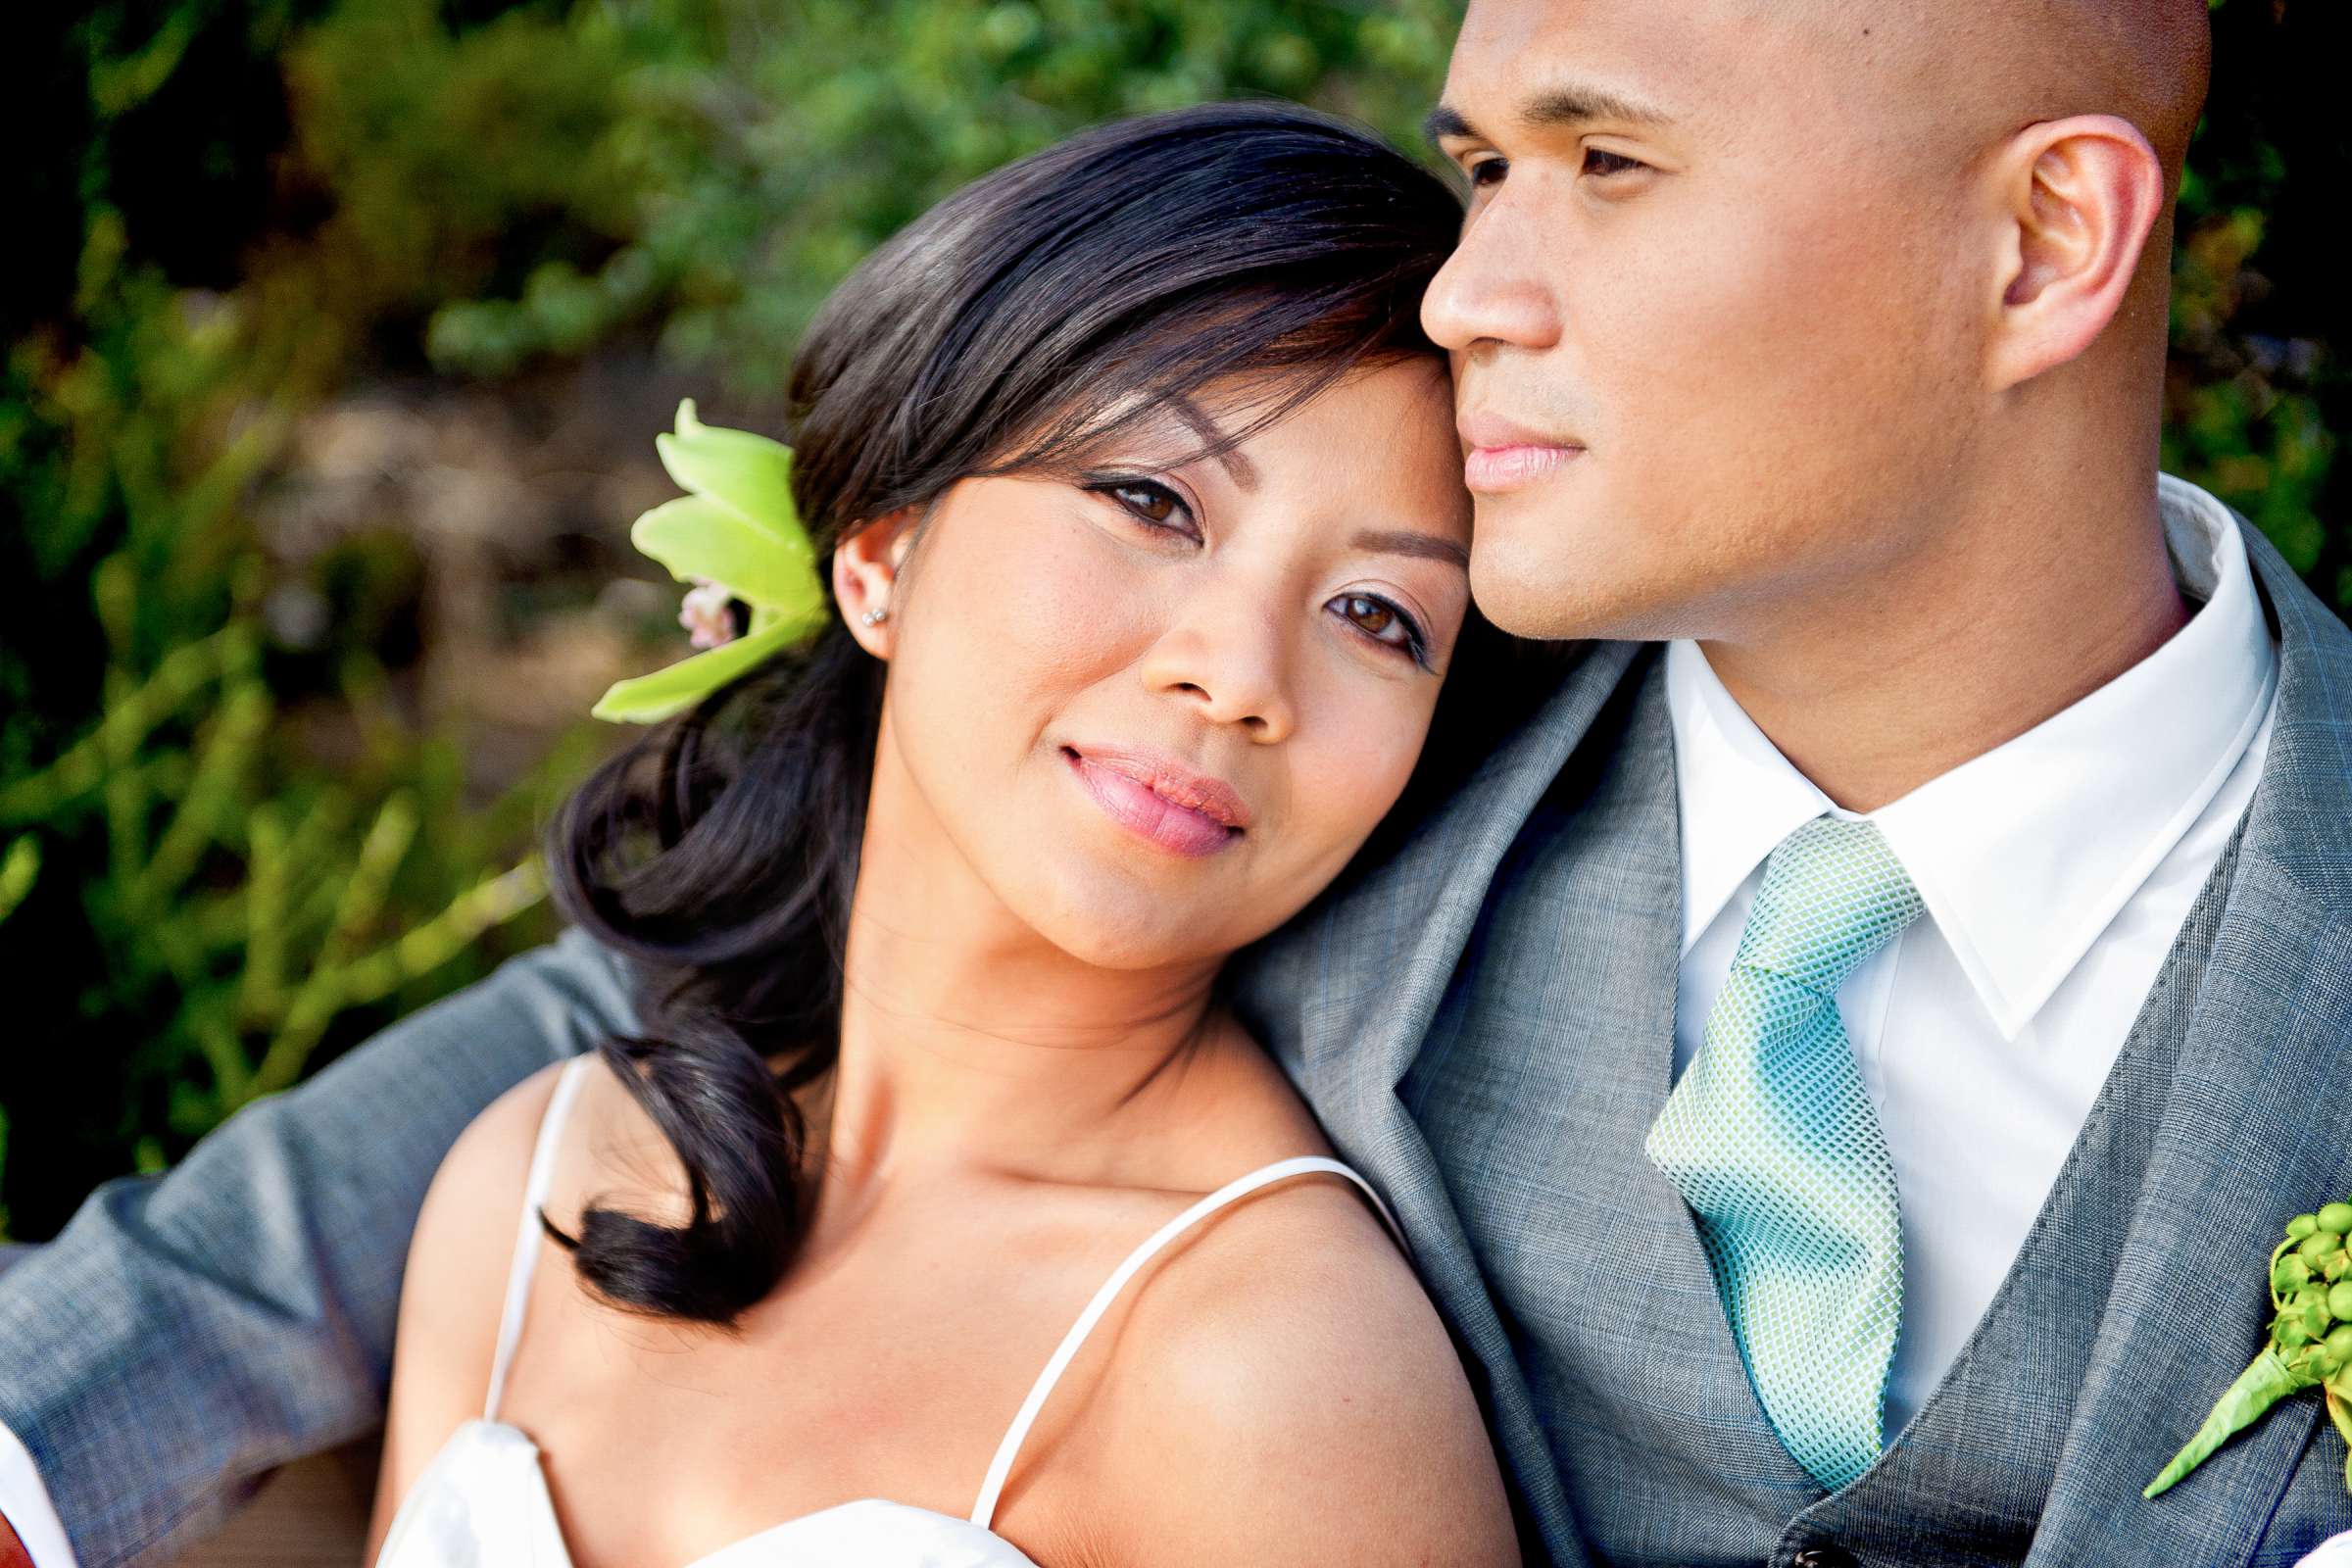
(1215, 439)
(1406, 542)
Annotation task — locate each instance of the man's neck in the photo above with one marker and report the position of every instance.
(1885, 684)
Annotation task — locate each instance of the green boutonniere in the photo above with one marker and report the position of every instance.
(736, 535)
(2310, 1345)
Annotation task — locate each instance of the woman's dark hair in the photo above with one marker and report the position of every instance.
(1014, 325)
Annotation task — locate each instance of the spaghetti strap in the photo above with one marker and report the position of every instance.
(999, 1468)
(526, 1232)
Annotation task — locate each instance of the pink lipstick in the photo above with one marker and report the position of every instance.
(1159, 800)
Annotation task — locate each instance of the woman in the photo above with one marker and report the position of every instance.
(1146, 537)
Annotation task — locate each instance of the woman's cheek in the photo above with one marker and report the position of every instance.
(1058, 597)
(1077, 623)
(1358, 766)
(1006, 617)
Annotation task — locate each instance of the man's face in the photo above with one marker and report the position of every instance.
(1715, 334)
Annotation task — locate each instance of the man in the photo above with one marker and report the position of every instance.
(1844, 1072)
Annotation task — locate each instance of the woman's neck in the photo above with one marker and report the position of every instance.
(967, 1040)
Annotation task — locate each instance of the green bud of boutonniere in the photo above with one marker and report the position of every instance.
(735, 536)
(2310, 1344)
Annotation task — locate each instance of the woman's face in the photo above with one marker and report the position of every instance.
(1153, 709)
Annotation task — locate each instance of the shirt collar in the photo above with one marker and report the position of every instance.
(2023, 855)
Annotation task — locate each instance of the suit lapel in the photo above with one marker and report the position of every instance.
(1424, 902)
(2258, 1127)
(1347, 995)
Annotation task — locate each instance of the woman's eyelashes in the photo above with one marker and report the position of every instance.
(1157, 509)
(1385, 623)
(1149, 502)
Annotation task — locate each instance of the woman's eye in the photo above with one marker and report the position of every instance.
(1599, 160)
(1155, 504)
(1382, 621)
(1489, 171)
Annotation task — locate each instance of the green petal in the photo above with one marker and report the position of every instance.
(693, 538)
(803, 622)
(650, 699)
(2263, 1384)
(747, 474)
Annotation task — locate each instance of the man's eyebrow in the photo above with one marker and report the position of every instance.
(1567, 103)
(1579, 103)
(1446, 120)
(1406, 542)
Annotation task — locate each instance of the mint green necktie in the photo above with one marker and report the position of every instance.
(1774, 1144)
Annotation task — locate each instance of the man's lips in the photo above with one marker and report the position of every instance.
(1502, 454)
(1182, 812)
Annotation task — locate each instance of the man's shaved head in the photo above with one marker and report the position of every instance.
(1953, 72)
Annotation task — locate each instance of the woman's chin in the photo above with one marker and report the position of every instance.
(1133, 948)
(1130, 928)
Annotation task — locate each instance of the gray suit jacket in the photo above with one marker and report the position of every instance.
(1483, 1020)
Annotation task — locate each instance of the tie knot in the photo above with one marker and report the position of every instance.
(1833, 895)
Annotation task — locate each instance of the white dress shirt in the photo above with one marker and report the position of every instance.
(24, 1504)
(2057, 870)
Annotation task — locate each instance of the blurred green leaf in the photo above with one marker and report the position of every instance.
(648, 698)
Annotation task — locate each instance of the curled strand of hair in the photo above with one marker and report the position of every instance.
(743, 1214)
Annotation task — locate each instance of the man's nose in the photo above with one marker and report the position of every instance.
(1496, 288)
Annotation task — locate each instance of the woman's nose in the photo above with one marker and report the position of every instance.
(1231, 665)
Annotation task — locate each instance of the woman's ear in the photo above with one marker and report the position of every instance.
(2080, 198)
(865, 577)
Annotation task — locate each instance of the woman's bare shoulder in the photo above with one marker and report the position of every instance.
(466, 1233)
(1284, 1392)
(455, 1286)
(473, 1214)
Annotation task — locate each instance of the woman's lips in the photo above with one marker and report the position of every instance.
(1181, 813)
(1489, 470)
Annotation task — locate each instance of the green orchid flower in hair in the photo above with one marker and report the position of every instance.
(736, 535)
(2310, 1342)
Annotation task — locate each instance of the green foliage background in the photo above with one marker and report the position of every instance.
(230, 850)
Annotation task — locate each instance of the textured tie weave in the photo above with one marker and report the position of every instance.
(1774, 1144)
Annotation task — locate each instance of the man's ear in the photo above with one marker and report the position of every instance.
(865, 577)
(2078, 198)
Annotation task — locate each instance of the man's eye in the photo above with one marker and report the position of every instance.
(1603, 163)
(1489, 171)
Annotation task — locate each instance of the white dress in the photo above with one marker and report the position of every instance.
(483, 1501)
